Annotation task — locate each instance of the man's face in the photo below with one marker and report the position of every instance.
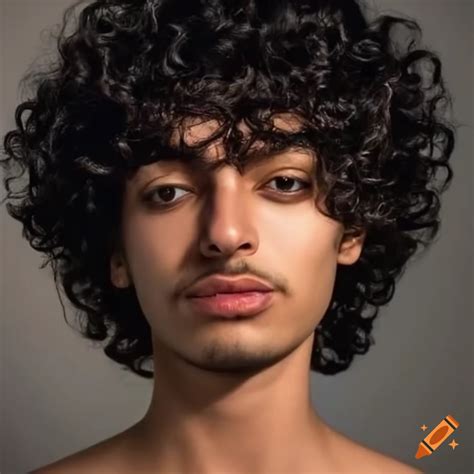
(227, 223)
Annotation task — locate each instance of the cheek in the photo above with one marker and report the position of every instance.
(155, 255)
(307, 237)
(320, 275)
(155, 251)
(307, 250)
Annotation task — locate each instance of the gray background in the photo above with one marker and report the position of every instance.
(60, 395)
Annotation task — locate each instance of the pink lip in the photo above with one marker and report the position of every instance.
(232, 305)
(219, 284)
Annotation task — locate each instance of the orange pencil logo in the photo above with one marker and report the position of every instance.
(436, 437)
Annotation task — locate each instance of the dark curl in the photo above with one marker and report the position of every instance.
(371, 107)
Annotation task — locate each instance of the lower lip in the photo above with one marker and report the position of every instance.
(233, 305)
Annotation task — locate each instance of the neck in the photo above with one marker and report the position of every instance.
(204, 421)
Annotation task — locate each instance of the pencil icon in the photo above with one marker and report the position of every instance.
(436, 437)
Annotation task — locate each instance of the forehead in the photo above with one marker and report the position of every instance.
(193, 130)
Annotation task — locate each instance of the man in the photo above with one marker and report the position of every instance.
(242, 284)
(231, 395)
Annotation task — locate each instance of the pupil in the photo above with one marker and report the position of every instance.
(167, 191)
(285, 181)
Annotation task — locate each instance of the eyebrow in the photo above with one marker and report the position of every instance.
(198, 164)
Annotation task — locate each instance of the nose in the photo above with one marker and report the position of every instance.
(228, 227)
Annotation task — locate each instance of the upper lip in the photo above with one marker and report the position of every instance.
(217, 284)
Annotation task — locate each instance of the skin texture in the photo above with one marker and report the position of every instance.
(231, 396)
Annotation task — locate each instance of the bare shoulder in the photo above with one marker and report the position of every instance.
(106, 457)
(383, 464)
(360, 459)
(92, 459)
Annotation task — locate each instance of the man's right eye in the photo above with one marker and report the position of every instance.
(162, 195)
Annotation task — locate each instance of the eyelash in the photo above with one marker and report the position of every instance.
(149, 196)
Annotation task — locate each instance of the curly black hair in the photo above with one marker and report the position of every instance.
(372, 107)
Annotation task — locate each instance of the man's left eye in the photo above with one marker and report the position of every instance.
(288, 182)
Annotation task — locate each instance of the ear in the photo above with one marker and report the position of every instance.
(119, 273)
(350, 247)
